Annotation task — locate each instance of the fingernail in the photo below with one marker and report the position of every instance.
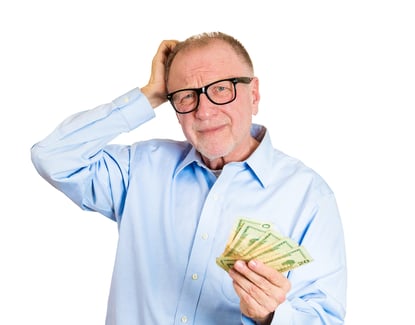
(239, 265)
(253, 263)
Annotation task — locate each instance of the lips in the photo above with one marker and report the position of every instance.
(210, 129)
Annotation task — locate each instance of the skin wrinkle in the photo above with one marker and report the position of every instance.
(219, 132)
(196, 203)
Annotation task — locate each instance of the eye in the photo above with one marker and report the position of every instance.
(184, 96)
(187, 96)
(221, 89)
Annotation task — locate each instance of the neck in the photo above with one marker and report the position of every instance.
(217, 163)
(214, 164)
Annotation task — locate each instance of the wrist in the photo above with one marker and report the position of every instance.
(155, 98)
(265, 321)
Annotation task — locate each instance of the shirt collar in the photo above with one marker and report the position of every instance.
(191, 157)
(260, 161)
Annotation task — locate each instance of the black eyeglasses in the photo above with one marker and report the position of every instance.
(220, 92)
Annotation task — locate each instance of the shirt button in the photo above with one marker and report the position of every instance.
(215, 197)
(205, 236)
(195, 276)
(184, 319)
(126, 100)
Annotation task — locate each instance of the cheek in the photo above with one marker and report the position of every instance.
(243, 119)
(186, 128)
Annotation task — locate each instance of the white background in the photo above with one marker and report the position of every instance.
(337, 80)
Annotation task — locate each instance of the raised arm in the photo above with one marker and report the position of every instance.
(76, 155)
(155, 90)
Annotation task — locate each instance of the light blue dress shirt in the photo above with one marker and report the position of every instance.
(174, 217)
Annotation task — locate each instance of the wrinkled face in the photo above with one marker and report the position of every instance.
(216, 131)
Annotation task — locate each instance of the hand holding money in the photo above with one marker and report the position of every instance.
(252, 239)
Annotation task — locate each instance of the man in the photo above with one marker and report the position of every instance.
(175, 202)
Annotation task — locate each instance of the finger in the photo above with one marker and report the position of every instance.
(248, 305)
(168, 45)
(274, 277)
(263, 283)
(251, 273)
(247, 286)
(164, 50)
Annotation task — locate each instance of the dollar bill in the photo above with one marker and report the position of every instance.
(290, 260)
(247, 233)
(268, 240)
(278, 248)
(252, 239)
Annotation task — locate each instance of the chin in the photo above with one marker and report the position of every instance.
(212, 155)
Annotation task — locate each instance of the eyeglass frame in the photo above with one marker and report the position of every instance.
(203, 90)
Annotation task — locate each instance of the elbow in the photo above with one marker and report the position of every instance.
(39, 160)
(47, 163)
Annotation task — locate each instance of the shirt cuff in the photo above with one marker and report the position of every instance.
(134, 108)
(247, 321)
(283, 314)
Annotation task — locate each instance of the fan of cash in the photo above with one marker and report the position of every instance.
(251, 239)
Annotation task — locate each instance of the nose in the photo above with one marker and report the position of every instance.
(205, 108)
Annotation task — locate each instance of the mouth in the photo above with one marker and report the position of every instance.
(210, 129)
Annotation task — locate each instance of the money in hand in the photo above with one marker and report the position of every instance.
(251, 239)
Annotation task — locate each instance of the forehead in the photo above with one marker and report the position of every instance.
(199, 65)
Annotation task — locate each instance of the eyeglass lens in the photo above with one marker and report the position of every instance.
(220, 92)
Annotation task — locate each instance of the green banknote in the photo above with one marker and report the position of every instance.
(252, 239)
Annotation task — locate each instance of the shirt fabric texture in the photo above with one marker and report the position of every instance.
(174, 218)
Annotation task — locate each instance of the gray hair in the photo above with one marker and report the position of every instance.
(203, 39)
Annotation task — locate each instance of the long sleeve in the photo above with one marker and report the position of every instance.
(318, 294)
(75, 149)
(174, 217)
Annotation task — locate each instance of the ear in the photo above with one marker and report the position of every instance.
(255, 96)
